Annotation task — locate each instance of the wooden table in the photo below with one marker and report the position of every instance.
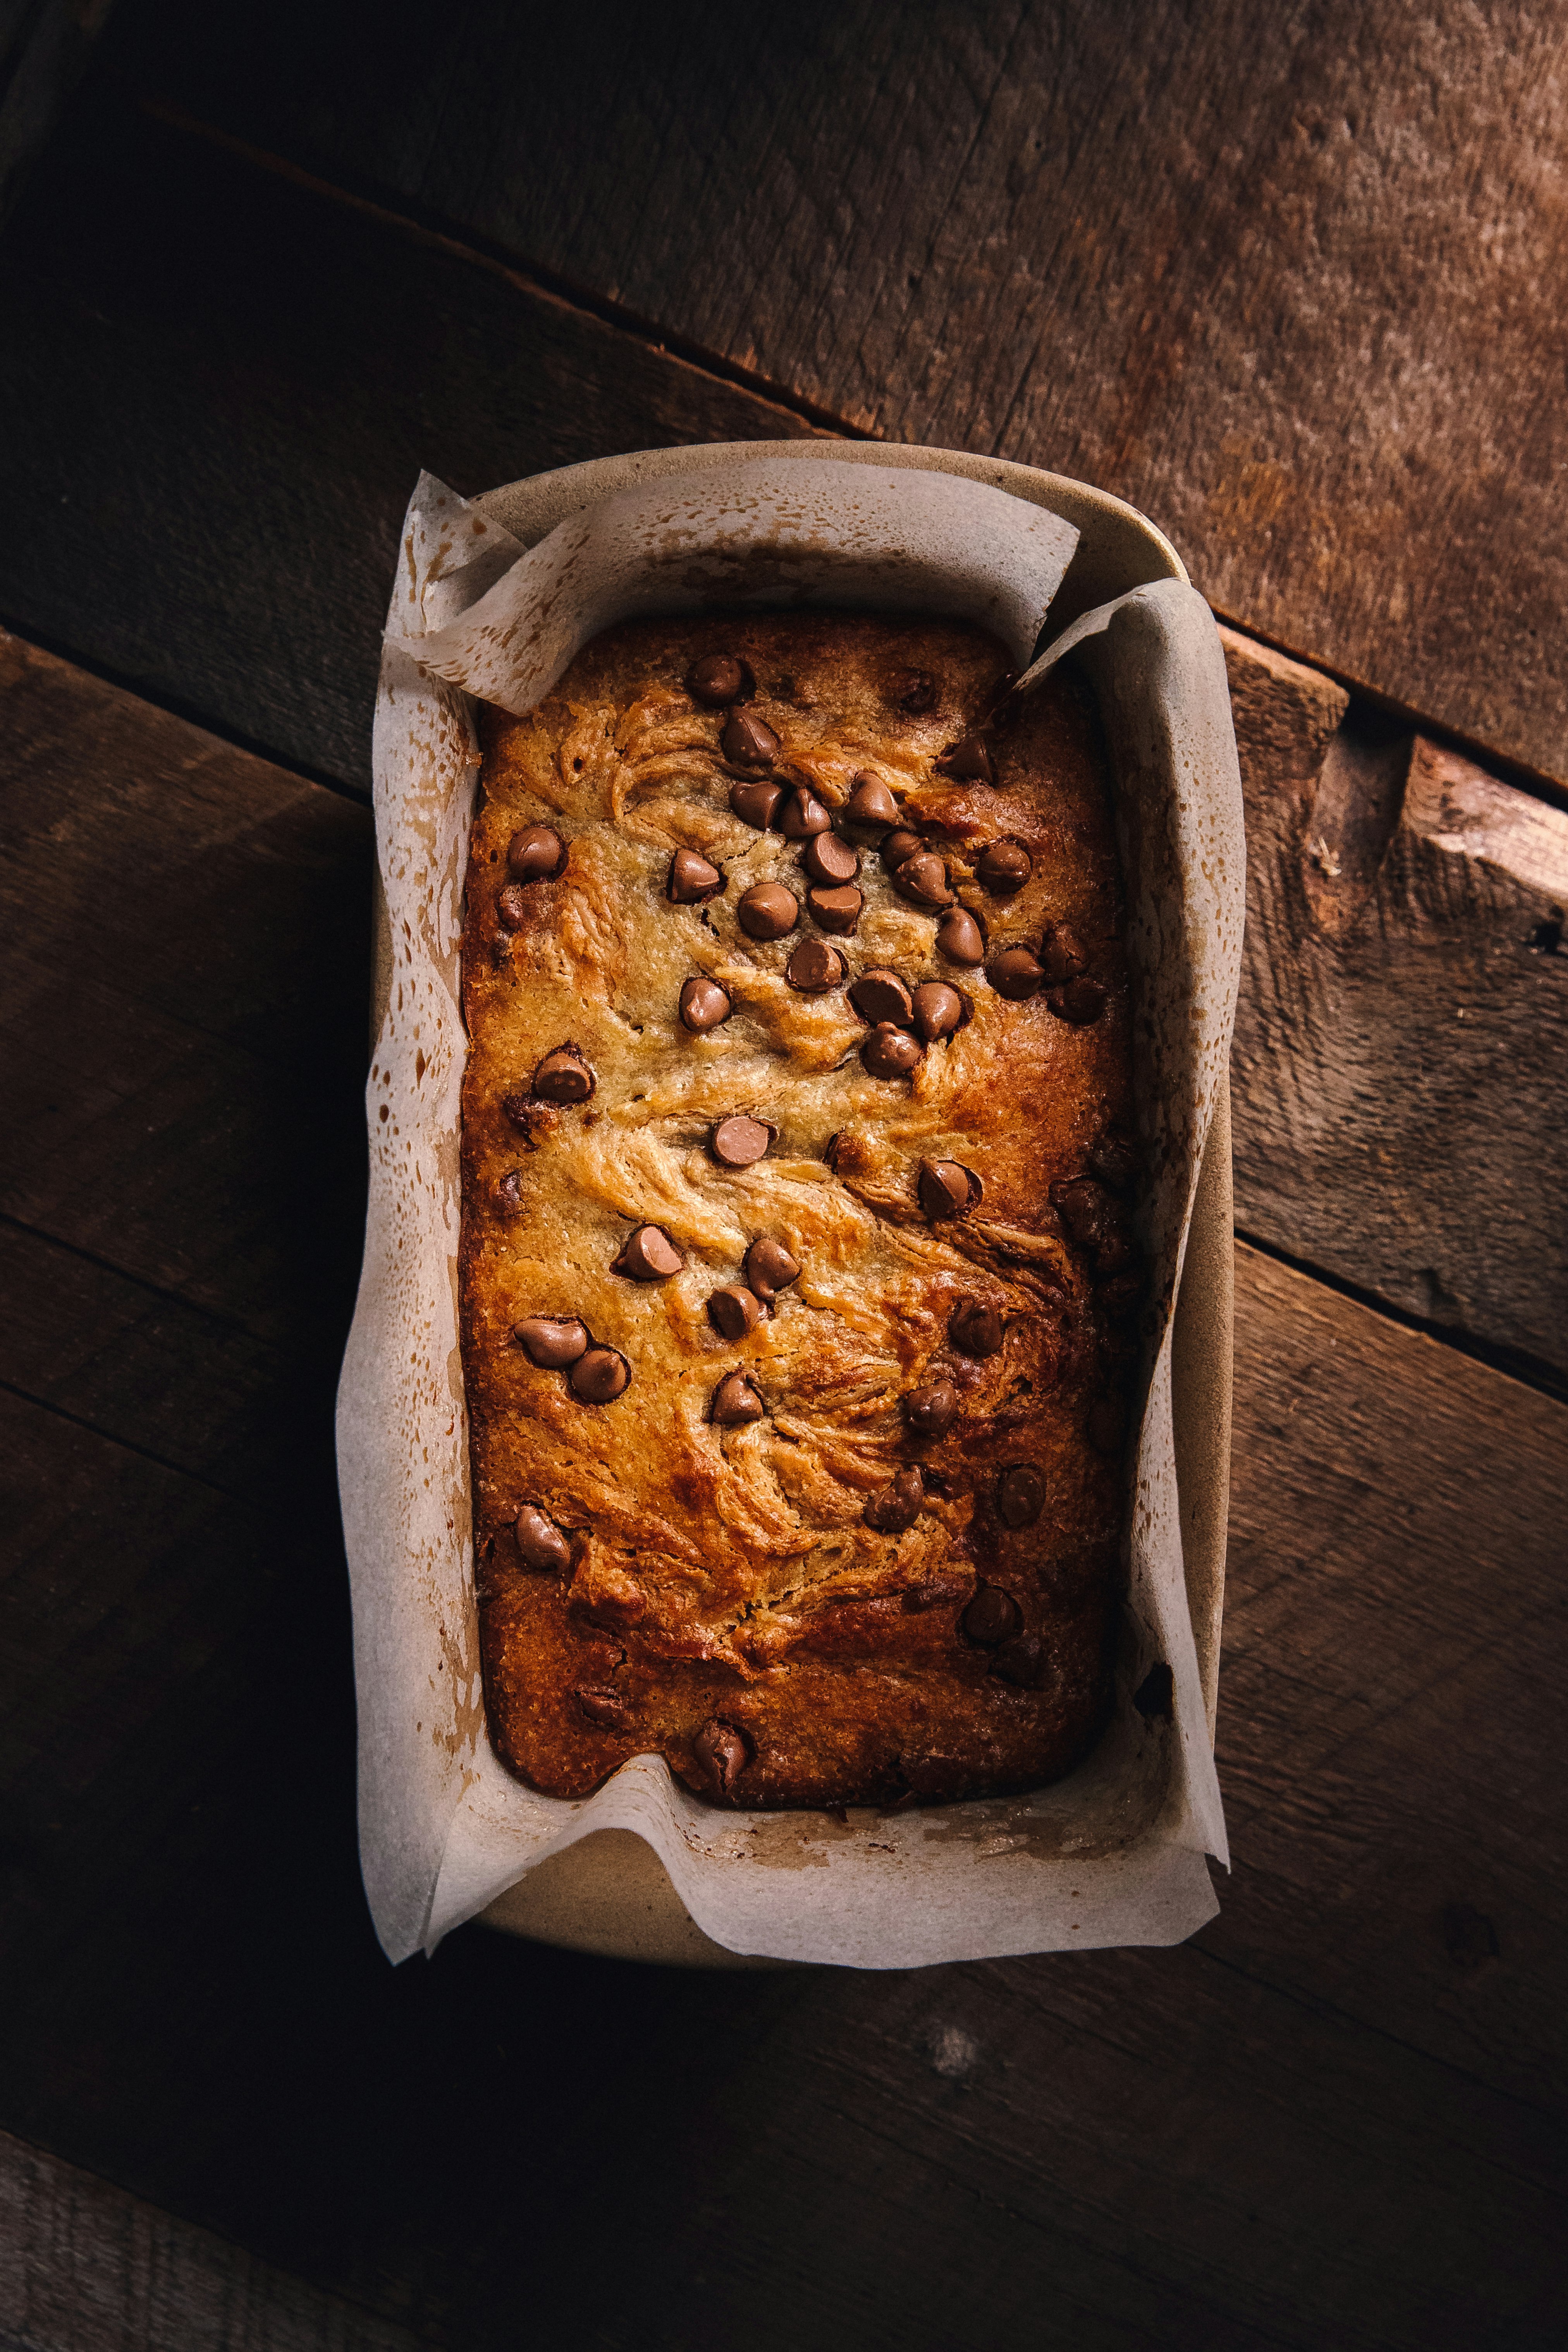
(1295, 284)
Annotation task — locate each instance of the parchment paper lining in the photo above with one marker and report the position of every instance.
(1113, 1854)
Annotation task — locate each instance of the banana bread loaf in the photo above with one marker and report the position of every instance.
(796, 1275)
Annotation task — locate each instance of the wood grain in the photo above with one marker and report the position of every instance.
(1403, 1014)
(1298, 296)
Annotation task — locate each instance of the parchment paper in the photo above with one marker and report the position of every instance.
(1113, 1854)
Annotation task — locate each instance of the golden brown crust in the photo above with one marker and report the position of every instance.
(722, 1595)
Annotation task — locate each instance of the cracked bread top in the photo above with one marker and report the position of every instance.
(796, 1277)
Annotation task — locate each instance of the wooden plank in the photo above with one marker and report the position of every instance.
(1404, 1015)
(216, 392)
(85, 2268)
(1315, 328)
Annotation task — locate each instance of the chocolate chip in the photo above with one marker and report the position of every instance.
(535, 854)
(1080, 1003)
(1015, 974)
(802, 815)
(756, 804)
(1087, 1211)
(649, 1256)
(692, 879)
(1002, 690)
(719, 679)
(564, 1077)
(767, 911)
(829, 860)
(523, 1110)
(1156, 1694)
(938, 1010)
(880, 995)
(836, 910)
(913, 691)
(704, 1004)
(992, 1617)
(1107, 1425)
(897, 845)
(814, 967)
(1061, 958)
(923, 879)
(959, 938)
(967, 762)
(509, 1192)
(946, 1190)
(769, 1267)
(749, 741)
(930, 1410)
(871, 804)
(600, 1376)
(540, 1542)
(549, 1342)
(1020, 1496)
(602, 1707)
(890, 1053)
(722, 1755)
(1003, 868)
(512, 908)
(1115, 1158)
(895, 1509)
(1020, 1661)
(733, 1311)
(736, 1142)
(734, 1401)
(974, 1330)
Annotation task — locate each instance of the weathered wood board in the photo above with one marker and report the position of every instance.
(1300, 290)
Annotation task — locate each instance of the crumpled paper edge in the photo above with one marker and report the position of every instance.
(444, 1828)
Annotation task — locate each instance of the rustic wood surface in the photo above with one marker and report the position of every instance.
(1302, 296)
(1336, 2117)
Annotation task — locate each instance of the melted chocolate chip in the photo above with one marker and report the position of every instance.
(535, 854)
(767, 911)
(815, 967)
(890, 1053)
(1107, 1425)
(734, 1401)
(1020, 1496)
(1020, 1661)
(509, 1192)
(1087, 1210)
(836, 910)
(1015, 974)
(938, 1010)
(733, 1311)
(512, 908)
(897, 845)
(946, 1190)
(974, 1330)
(993, 1616)
(719, 679)
(692, 879)
(922, 879)
(540, 1542)
(564, 1077)
(649, 1256)
(880, 995)
(802, 815)
(931, 1411)
(748, 741)
(913, 691)
(602, 1707)
(550, 1342)
(1115, 1158)
(769, 1267)
(600, 1376)
(722, 1755)
(895, 1509)
(1003, 868)
(1080, 1003)
(737, 1142)
(830, 861)
(756, 804)
(959, 938)
(871, 804)
(967, 762)
(1061, 958)
(704, 1004)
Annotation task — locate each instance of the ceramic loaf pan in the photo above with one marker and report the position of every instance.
(609, 1894)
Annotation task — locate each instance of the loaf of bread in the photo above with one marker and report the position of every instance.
(797, 1283)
